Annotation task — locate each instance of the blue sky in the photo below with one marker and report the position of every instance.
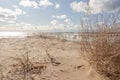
(43, 15)
(50, 15)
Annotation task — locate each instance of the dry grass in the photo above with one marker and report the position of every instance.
(22, 68)
(104, 53)
(25, 67)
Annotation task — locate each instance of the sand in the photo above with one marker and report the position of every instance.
(72, 65)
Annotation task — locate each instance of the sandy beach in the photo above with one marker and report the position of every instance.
(68, 64)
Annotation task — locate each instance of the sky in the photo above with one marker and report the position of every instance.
(51, 15)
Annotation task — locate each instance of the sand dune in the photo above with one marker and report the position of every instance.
(72, 65)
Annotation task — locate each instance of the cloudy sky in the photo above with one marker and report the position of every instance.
(50, 15)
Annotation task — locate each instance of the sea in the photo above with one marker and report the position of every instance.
(19, 34)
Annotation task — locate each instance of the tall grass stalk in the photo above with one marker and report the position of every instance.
(101, 44)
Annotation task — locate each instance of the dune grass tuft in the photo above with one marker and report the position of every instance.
(104, 53)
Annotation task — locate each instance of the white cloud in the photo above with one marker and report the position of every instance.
(78, 6)
(28, 3)
(34, 4)
(8, 15)
(11, 22)
(68, 21)
(96, 6)
(64, 16)
(18, 11)
(54, 22)
(14, 6)
(45, 3)
(57, 6)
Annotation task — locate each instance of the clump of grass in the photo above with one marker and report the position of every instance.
(104, 53)
(24, 68)
(52, 60)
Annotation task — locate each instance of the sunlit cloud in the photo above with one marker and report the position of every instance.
(28, 3)
(9, 15)
(96, 6)
(54, 22)
(79, 6)
(63, 16)
(45, 3)
(57, 6)
(68, 21)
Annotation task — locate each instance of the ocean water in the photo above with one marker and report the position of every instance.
(61, 35)
(12, 34)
